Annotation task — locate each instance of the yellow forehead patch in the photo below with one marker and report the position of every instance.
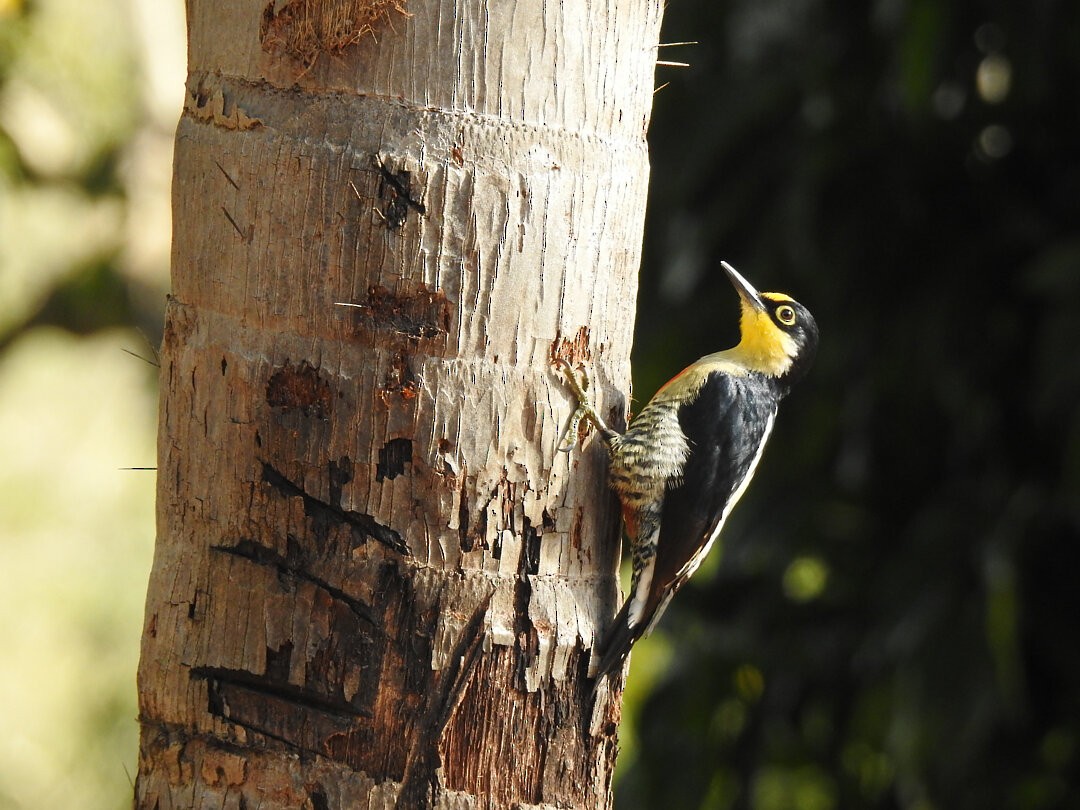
(765, 347)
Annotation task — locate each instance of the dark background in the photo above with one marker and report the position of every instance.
(893, 620)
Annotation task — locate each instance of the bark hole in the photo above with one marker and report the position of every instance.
(422, 314)
(393, 456)
(466, 540)
(399, 380)
(299, 387)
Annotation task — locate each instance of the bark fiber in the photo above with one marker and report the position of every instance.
(376, 583)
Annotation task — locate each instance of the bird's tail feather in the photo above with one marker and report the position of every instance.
(616, 643)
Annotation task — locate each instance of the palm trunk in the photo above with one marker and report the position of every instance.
(376, 583)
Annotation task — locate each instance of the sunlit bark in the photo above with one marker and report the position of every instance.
(376, 583)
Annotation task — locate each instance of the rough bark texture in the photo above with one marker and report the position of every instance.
(376, 583)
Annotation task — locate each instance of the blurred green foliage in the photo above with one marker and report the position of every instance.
(84, 164)
(892, 624)
(85, 150)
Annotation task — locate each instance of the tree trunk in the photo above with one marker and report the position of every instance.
(376, 582)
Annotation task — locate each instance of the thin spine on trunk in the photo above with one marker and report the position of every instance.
(376, 581)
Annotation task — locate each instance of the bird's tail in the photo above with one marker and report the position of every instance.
(616, 643)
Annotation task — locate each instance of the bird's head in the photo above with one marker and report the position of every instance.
(779, 335)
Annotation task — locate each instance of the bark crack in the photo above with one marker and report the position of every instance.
(401, 195)
(366, 525)
(261, 555)
(222, 681)
(426, 758)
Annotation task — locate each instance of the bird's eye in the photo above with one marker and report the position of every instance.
(786, 315)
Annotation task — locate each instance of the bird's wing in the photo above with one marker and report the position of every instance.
(735, 414)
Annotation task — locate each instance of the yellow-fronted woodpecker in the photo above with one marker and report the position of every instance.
(686, 459)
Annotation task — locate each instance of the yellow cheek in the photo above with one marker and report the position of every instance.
(764, 346)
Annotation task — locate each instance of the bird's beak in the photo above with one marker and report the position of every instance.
(746, 291)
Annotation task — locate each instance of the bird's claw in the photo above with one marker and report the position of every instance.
(584, 408)
(570, 433)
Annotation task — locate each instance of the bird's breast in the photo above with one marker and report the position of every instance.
(649, 457)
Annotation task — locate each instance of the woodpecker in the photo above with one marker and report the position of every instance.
(687, 458)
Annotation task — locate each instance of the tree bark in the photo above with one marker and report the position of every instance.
(376, 582)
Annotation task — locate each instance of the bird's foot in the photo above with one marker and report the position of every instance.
(585, 409)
